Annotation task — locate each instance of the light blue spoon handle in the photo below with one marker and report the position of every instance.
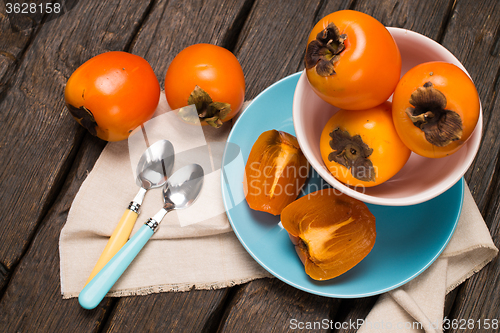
(98, 287)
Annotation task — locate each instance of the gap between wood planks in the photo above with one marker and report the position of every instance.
(19, 59)
(62, 174)
(5, 274)
(446, 21)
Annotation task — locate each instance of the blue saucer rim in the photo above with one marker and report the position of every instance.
(315, 292)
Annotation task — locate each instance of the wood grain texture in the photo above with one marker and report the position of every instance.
(192, 311)
(353, 311)
(479, 297)
(427, 17)
(449, 301)
(39, 137)
(474, 40)
(269, 305)
(174, 25)
(16, 32)
(32, 301)
(4, 277)
(273, 40)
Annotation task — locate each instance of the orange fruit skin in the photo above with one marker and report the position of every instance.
(461, 96)
(376, 128)
(214, 69)
(369, 67)
(120, 89)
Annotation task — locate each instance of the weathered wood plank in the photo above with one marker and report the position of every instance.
(478, 298)
(32, 301)
(427, 17)
(38, 134)
(4, 276)
(449, 301)
(474, 39)
(174, 25)
(269, 305)
(273, 40)
(17, 31)
(192, 311)
(352, 314)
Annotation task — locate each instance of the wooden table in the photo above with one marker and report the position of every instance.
(45, 156)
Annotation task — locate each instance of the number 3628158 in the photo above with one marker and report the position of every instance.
(32, 8)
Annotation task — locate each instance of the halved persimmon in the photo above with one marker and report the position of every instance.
(275, 172)
(331, 231)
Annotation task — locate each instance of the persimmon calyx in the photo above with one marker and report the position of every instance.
(441, 126)
(85, 117)
(352, 153)
(208, 110)
(323, 52)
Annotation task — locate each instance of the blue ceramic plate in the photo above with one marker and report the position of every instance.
(409, 238)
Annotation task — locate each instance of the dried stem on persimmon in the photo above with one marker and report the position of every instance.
(352, 153)
(441, 126)
(208, 110)
(323, 52)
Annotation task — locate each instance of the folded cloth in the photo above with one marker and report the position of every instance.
(193, 248)
(418, 305)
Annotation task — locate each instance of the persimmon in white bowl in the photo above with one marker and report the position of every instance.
(421, 178)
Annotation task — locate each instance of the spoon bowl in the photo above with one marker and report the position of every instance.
(183, 187)
(155, 165)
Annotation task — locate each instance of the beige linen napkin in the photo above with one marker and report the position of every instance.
(196, 248)
(418, 305)
(201, 250)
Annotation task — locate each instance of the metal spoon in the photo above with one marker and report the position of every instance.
(153, 169)
(181, 190)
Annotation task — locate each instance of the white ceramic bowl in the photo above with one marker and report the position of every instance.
(421, 178)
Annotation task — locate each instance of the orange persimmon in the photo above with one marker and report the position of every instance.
(275, 172)
(352, 61)
(362, 148)
(112, 94)
(331, 231)
(210, 77)
(435, 109)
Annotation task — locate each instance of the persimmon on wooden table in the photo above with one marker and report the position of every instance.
(45, 155)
